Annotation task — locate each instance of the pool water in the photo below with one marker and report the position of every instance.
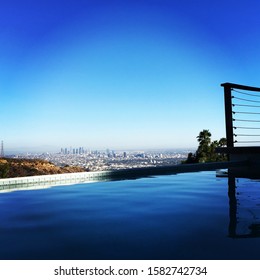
(184, 216)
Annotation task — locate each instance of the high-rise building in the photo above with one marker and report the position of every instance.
(2, 154)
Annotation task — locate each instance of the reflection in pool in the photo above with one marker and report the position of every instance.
(185, 216)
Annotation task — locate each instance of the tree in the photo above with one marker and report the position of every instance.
(204, 137)
(4, 170)
(206, 149)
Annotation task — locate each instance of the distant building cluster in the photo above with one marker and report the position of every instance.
(82, 151)
(2, 154)
(110, 159)
(72, 151)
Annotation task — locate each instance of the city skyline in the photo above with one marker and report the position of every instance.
(121, 74)
(74, 150)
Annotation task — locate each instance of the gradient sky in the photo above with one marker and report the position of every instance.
(121, 74)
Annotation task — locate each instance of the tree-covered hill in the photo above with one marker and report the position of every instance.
(10, 168)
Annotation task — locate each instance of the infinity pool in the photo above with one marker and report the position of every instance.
(184, 216)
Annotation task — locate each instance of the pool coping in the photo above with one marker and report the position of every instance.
(46, 181)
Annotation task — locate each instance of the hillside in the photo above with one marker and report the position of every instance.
(10, 168)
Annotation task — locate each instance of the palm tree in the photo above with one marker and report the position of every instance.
(222, 142)
(203, 151)
(204, 137)
(206, 149)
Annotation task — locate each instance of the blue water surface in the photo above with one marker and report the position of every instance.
(184, 216)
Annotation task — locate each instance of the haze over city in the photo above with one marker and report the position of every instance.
(121, 74)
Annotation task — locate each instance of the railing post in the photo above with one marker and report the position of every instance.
(228, 115)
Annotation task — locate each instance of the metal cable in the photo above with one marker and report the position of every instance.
(239, 120)
(245, 113)
(246, 127)
(245, 93)
(243, 105)
(246, 135)
(248, 100)
(246, 141)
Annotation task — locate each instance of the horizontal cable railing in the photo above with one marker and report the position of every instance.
(250, 117)
(242, 109)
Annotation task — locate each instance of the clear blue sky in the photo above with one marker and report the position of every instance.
(121, 74)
